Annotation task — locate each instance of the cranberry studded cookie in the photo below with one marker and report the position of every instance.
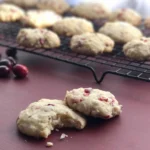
(70, 26)
(91, 10)
(10, 13)
(93, 102)
(121, 32)
(91, 44)
(38, 38)
(23, 3)
(147, 22)
(40, 18)
(138, 49)
(40, 118)
(59, 6)
(127, 15)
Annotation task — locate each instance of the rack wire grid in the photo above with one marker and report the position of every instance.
(116, 63)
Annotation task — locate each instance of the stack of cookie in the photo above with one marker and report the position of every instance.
(40, 118)
(120, 26)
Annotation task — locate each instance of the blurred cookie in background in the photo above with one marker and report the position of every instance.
(40, 18)
(138, 49)
(121, 32)
(91, 10)
(70, 26)
(10, 13)
(38, 38)
(59, 6)
(91, 44)
(23, 3)
(127, 15)
(147, 22)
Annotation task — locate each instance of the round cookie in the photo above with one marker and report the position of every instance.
(121, 32)
(70, 26)
(23, 3)
(40, 18)
(40, 118)
(59, 6)
(91, 10)
(126, 15)
(91, 44)
(93, 102)
(138, 49)
(38, 38)
(147, 22)
(10, 13)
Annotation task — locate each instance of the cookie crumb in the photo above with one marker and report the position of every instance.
(63, 136)
(49, 144)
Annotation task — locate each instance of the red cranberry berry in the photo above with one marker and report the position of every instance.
(6, 62)
(12, 60)
(20, 71)
(4, 71)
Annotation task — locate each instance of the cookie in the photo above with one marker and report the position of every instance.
(70, 26)
(59, 6)
(40, 18)
(147, 22)
(93, 102)
(91, 11)
(91, 44)
(138, 49)
(23, 3)
(126, 15)
(10, 13)
(40, 118)
(38, 38)
(121, 32)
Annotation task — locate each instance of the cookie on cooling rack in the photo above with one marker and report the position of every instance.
(147, 22)
(38, 38)
(121, 32)
(40, 118)
(138, 49)
(10, 13)
(127, 15)
(23, 3)
(70, 26)
(93, 102)
(59, 6)
(91, 10)
(40, 18)
(91, 44)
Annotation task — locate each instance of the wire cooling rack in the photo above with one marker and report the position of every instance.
(116, 63)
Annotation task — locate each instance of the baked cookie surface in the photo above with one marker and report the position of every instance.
(40, 18)
(121, 32)
(70, 26)
(126, 15)
(38, 38)
(10, 13)
(23, 3)
(41, 117)
(91, 44)
(91, 10)
(147, 22)
(59, 6)
(93, 102)
(138, 49)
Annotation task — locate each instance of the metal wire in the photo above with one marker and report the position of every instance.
(116, 62)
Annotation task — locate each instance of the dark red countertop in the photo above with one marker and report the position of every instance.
(51, 79)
